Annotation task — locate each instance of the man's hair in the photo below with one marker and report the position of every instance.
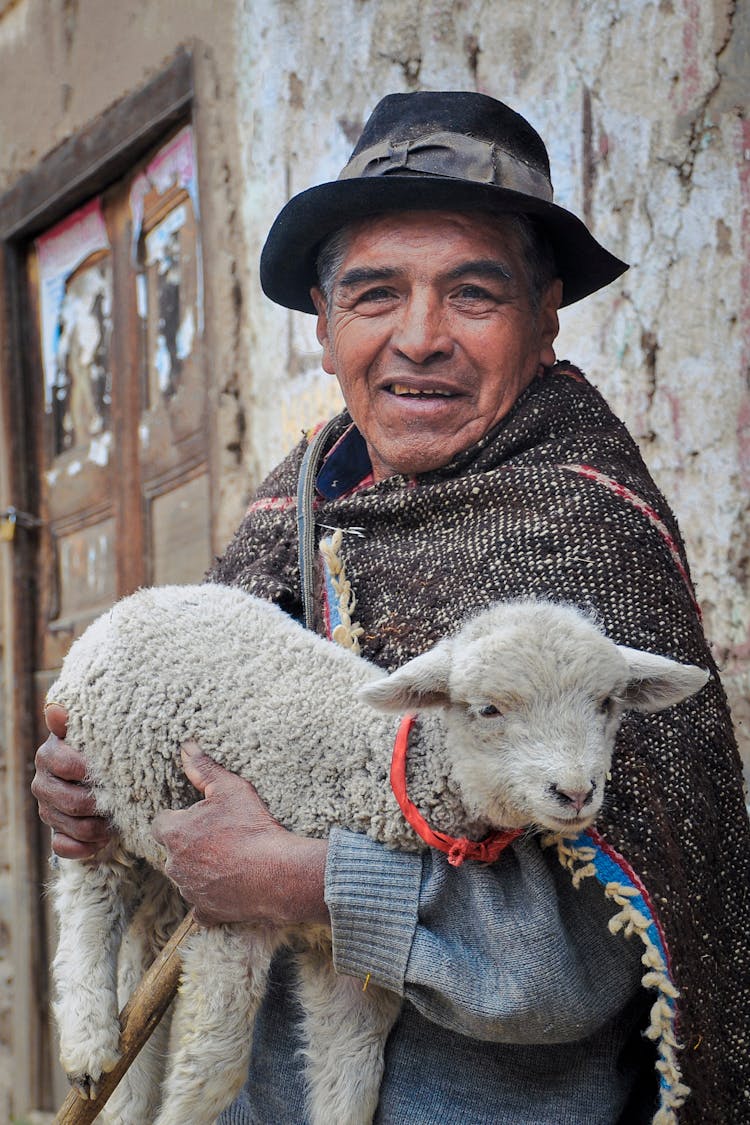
(535, 248)
(331, 254)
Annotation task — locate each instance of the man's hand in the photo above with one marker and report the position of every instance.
(65, 802)
(232, 861)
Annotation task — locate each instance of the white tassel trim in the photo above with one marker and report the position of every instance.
(629, 921)
(347, 632)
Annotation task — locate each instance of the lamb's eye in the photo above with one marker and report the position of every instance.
(489, 710)
(606, 704)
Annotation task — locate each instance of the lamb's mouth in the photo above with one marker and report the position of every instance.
(417, 392)
(574, 825)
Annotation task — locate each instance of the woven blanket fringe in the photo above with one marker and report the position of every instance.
(578, 860)
(347, 632)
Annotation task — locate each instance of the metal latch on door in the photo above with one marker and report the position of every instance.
(11, 518)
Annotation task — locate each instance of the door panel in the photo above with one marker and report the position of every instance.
(180, 542)
(118, 410)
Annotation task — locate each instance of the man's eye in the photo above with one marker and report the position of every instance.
(473, 293)
(379, 294)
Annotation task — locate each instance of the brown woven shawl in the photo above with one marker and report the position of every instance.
(557, 502)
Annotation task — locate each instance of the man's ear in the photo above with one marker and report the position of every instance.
(321, 330)
(656, 682)
(423, 682)
(549, 323)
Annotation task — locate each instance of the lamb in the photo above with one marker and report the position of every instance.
(517, 720)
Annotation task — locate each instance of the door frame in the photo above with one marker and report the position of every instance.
(76, 170)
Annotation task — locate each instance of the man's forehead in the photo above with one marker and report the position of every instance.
(445, 243)
(392, 226)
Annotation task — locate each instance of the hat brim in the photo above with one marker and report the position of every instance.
(288, 261)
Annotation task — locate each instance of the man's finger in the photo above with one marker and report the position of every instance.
(69, 847)
(57, 759)
(56, 718)
(52, 784)
(69, 802)
(201, 771)
(163, 824)
(90, 833)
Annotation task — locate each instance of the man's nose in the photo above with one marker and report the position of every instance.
(420, 333)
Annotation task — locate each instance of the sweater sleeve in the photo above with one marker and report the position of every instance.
(507, 953)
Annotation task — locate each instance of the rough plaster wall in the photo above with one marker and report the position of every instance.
(642, 107)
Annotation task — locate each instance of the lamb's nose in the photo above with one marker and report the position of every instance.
(575, 797)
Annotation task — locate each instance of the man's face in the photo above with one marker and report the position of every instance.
(431, 334)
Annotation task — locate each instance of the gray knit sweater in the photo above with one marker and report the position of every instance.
(520, 1007)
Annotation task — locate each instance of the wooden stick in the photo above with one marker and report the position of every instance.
(138, 1019)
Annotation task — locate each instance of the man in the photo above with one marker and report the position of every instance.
(470, 467)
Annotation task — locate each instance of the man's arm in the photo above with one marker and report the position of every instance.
(508, 952)
(232, 861)
(505, 953)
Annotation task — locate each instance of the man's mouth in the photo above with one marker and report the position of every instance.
(421, 392)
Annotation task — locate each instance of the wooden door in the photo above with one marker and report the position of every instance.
(117, 409)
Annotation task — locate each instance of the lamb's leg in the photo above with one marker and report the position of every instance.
(224, 976)
(136, 1098)
(92, 901)
(346, 1028)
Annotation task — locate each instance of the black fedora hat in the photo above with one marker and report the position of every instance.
(450, 151)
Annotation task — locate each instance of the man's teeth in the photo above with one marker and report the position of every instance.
(400, 389)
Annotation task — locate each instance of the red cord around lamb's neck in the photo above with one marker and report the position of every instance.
(457, 850)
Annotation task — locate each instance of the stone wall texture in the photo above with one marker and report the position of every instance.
(644, 109)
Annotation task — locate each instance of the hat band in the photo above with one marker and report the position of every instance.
(454, 155)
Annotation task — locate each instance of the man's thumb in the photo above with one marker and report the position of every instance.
(56, 718)
(201, 771)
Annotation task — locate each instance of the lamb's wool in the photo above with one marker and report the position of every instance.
(273, 702)
(276, 704)
(557, 502)
(260, 695)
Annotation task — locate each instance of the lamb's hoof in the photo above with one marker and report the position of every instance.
(85, 1068)
(85, 1086)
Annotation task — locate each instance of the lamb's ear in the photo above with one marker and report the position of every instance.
(656, 682)
(423, 682)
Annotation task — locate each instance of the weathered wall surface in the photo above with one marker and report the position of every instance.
(643, 106)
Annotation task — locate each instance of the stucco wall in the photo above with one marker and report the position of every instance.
(642, 105)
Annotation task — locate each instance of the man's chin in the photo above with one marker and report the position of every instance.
(411, 464)
(418, 452)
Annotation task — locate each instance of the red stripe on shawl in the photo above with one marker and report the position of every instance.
(271, 504)
(651, 514)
